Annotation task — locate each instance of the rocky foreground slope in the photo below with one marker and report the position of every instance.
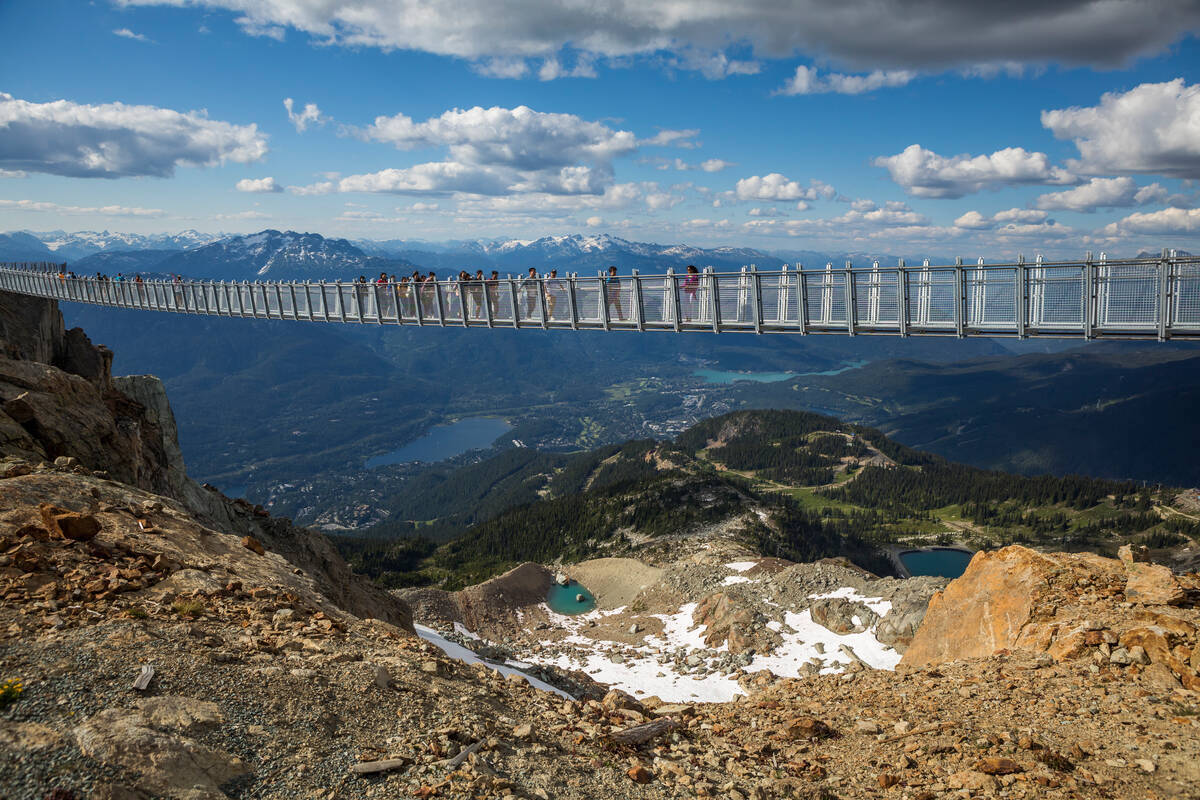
(159, 640)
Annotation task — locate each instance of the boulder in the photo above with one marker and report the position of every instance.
(169, 763)
(909, 603)
(1152, 585)
(253, 545)
(1129, 553)
(184, 714)
(69, 524)
(1006, 599)
(843, 616)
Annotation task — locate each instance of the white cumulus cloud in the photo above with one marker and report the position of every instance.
(924, 173)
(115, 140)
(1119, 192)
(808, 81)
(715, 165)
(495, 152)
(518, 137)
(1168, 221)
(258, 185)
(309, 115)
(973, 220)
(1153, 128)
(775, 186)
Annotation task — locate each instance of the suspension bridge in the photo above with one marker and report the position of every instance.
(1144, 298)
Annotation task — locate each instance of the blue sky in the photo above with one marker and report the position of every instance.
(875, 127)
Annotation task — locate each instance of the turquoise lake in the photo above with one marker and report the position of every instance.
(446, 441)
(939, 562)
(561, 599)
(723, 376)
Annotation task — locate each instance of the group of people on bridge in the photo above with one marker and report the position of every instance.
(467, 293)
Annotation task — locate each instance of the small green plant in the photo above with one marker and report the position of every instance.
(188, 608)
(138, 613)
(10, 692)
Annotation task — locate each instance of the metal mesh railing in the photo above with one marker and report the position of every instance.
(1157, 298)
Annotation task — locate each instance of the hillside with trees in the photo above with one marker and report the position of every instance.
(791, 484)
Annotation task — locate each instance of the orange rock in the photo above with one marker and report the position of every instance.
(1129, 553)
(1071, 645)
(640, 774)
(1152, 639)
(1152, 585)
(808, 728)
(252, 544)
(996, 765)
(69, 524)
(994, 604)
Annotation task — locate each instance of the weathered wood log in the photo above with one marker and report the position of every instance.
(144, 677)
(384, 765)
(644, 732)
(463, 754)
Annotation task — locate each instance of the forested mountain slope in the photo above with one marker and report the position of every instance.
(797, 485)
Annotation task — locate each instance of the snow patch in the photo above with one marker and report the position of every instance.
(732, 579)
(460, 653)
(462, 630)
(876, 604)
(741, 566)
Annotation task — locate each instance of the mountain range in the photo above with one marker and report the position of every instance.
(274, 254)
(280, 255)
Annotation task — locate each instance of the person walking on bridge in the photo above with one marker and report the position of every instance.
(613, 290)
(532, 286)
(429, 294)
(477, 292)
(691, 283)
(404, 297)
(554, 288)
(493, 292)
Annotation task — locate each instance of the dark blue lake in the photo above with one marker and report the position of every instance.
(446, 441)
(940, 562)
(562, 599)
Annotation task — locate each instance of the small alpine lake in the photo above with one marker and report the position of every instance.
(941, 562)
(725, 376)
(565, 599)
(446, 441)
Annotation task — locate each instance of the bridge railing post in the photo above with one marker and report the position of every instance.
(1088, 296)
(604, 299)
(541, 302)
(638, 304)
(440, 302)
(960, 326)
(714, 298)
(802, 298)
(1164, 294)
(1021, 295)
(756, 294)
(512, 293)
(874, 294)
(573, 300)
(672, 305)
(781, 296)
(851, 302)
(902, 310)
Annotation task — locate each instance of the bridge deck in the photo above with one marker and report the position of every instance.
(1140, 298)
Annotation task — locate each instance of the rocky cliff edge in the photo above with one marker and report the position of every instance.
(61, 410)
